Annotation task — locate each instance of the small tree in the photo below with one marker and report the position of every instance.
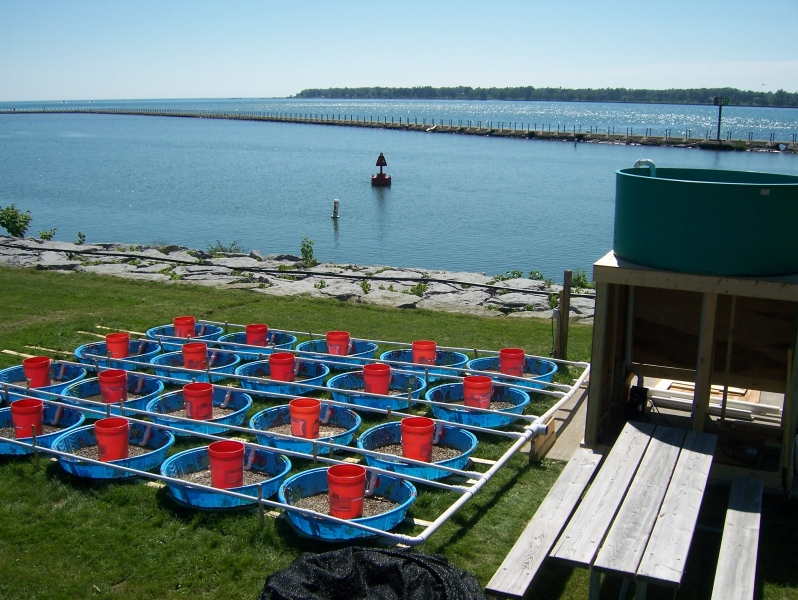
(14, 221)
(306, 249)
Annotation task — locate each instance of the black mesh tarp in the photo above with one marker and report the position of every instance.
(371, 574)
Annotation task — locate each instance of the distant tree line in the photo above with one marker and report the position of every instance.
(672, 96)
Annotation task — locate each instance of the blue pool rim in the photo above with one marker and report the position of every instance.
(299, 444)
(207, 500)
(391, 432)
(361, 349)
(289, 388)
(16, 375)
(353, 395)
(160, 441)
(240, 400)
(285, 341)
(76, 392)
(71, 417)
(217, 373)
(150, 349)
(210, 334)
(453, 392)
(401, 491)
(544, 371)
(456, 360)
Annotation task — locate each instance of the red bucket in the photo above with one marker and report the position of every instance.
(346, 485)
(195, 356)
(113, 385)
(184, 326)
(281, 366)
(377, 378)
(511, 361)
(256, 334)
(199, 400)
(477, 390)
(27, 412)
(112, 438)
(424, 352)
(227, 464)
(37, 371)
(118, 345)
(338, 342)
(417, 435)
(305, 417)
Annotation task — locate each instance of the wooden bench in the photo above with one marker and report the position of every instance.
(521, 565)
(736, 573)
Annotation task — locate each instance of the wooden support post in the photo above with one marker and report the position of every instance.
(727, 370)
(565, 310)
(599, 361)
(706, 348)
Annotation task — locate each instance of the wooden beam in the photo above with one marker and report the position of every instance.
(599, 363)
(565, 312)
(706, 359)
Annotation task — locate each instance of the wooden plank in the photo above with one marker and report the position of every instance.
(665, 557)
(600, 363)
(734, 579)
(706, 352)
(582, 538)
(612, 270)
(627, 538)
(521, 565)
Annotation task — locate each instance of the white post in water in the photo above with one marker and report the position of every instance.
(335, 209)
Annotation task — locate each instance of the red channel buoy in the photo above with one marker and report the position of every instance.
(381, 178)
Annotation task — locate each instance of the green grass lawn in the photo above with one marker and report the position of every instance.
(62, 537)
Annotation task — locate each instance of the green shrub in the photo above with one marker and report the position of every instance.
(580, 280)
(14, 221)
(47, 234)
(306, 249)
(365, 286)
(81, 238)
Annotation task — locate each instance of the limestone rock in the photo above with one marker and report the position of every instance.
(392, 299)
(56, 261)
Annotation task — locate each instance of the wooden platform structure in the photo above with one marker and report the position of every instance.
(709, 330)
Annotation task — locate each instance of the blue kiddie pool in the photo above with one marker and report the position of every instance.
(203, 333)
(140, 390)
(330, 415)
(66, 419)
(539, 370)
(314, 481)
(443, 358)
(389, 434)
(61, 375)
(238, 402)
(141, 351)
(453, 392)
(312, 373)
(269, 466)
(156, 443)
(277, 342)
(220, 363)
(318, 349)
(345, 388)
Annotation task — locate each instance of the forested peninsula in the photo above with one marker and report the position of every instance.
(673, 96)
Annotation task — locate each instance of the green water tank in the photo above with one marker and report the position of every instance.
(707, 221)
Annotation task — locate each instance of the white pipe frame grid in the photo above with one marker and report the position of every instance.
(536, 427)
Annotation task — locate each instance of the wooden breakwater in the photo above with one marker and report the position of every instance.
(501, 129)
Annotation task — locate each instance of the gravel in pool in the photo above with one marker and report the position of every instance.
(99, 398)
(439, 453)
(324, 430)
(218, 412)
(8, 432)
(525, 375)
(204, 477)
(493, 405)
(93, 452)
(372, 505)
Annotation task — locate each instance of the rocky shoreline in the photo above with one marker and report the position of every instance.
(286, 275)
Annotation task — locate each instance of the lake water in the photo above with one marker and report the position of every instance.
(457, 202)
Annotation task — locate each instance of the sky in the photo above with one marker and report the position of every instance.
(145, 49)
